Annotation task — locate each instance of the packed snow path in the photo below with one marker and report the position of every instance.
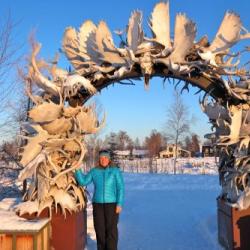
(166, 212)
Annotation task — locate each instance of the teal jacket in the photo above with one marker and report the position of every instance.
(108, 184)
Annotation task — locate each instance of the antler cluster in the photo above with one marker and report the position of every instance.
(232, 137)
(98, 62)
(54, 148)
(55, 142)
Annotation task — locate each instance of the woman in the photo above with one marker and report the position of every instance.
(107, 199)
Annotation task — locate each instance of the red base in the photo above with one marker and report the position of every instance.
(233, 226)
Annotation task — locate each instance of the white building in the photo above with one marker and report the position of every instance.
(122, 154)
(139, 153)
(127, 154)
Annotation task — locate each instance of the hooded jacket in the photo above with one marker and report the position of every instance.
(108, 184)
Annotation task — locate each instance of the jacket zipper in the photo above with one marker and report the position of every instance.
(103, 186)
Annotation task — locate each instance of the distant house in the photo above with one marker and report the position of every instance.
(207, 150)
(127, 154)
(170, 152)
(122, 154)
(139, 153)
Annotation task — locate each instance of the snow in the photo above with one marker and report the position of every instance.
(162, 211)
(122, 152)
(166, 212)
(9, 203)
(11, 222)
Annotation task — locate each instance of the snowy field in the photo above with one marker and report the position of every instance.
(166, 212)
(162, 211)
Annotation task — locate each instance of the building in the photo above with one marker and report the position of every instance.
(208, 150)
(122, 154)
(134, 154)
(170, 152)
(139, 153)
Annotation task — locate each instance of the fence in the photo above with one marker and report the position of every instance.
(206, 165)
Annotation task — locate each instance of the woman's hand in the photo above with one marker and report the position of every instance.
(118, 209)
(76, 164)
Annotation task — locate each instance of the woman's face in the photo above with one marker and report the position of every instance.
(104, 161)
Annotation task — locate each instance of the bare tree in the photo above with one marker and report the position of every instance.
(7, 49)
(94, 144)
(136, 143)
(93, 141)
(177, 124)
(192, 144)
(13, 101)
(11, 90)
(195, 144)
(187, 143)
(124, 140)
(154, 143)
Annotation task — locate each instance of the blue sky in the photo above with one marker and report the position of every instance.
(129, 108)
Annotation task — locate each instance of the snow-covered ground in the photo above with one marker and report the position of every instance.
(162, 211)
(166, 212)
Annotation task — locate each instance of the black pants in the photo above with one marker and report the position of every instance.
(105, 224)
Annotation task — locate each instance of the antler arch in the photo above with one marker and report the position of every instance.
(98, 62)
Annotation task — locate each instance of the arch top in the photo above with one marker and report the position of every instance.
(212, 86)
(97, 61)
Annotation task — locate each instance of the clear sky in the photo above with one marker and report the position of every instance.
(129, 108)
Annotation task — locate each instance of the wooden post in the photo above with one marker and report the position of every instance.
(22, 238)
(30, 232)
(233, 226)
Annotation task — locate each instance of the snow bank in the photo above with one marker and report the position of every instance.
(11, 222)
